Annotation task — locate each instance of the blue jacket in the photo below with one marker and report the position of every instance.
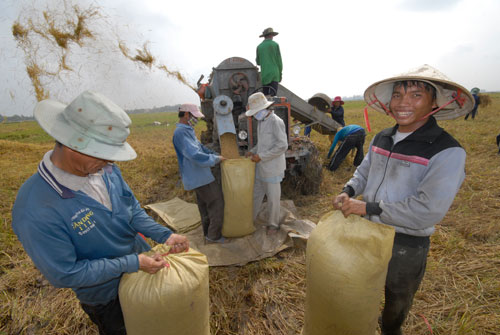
(477, 101)
(342, 134)
(338, 114)
(194, 158)
(77, 242)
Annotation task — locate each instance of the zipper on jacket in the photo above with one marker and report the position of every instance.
(385, 169)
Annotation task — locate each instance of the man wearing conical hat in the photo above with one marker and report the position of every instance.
(269, 59)
(477, 101)
(409, 177)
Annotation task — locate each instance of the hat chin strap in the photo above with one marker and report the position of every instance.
(375, 100)
(457, 96)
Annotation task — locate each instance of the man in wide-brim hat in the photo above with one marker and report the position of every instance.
(269, 156)
(409, 177)
(269, 59)
(77, 218)
(268, 32)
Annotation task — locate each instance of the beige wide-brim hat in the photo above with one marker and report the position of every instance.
(91, 124)
(446, 91)
(256, 103)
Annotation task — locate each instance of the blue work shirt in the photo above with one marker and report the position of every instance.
(342, 134)
(77, 242)
(194, 158)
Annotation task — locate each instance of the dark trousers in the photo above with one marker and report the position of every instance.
(472, 112)
(108, 318)
(406, 270)
(211, 205)
(354, 140)
(307, 131)
(498, 143)
(270, 89)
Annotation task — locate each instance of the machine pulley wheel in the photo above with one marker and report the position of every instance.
(238, 83)
(223, 105)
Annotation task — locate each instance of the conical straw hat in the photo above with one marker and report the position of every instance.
(446, 91)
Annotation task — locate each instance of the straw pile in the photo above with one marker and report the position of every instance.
(485, 100)
(306, 178)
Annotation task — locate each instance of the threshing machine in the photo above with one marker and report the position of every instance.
(223, 102)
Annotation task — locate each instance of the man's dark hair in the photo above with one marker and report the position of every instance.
(418, 83)
(181, 114)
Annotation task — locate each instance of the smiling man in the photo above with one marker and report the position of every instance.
(409, 177)
(77, 218)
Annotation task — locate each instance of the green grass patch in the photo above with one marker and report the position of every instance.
(24, 132)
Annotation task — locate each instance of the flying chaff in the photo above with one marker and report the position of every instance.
(50, 35)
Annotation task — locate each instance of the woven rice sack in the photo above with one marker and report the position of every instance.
(173, 301)
(347, 262)
(238, 176)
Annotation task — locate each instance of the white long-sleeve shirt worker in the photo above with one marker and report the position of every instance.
(272, 143)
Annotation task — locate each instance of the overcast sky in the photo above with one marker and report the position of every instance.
(335, 47)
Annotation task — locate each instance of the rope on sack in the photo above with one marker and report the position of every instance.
(164, 255)
(427, 323)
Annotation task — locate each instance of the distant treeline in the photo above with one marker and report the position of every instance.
(174, 108)
(15, 118)
(353, 98)
(167, 109)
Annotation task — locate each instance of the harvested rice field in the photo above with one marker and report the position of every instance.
(460, 293)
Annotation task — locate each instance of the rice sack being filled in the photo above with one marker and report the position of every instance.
(172, 301)
(238, 176)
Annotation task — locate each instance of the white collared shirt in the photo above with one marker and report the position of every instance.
(92, 185)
